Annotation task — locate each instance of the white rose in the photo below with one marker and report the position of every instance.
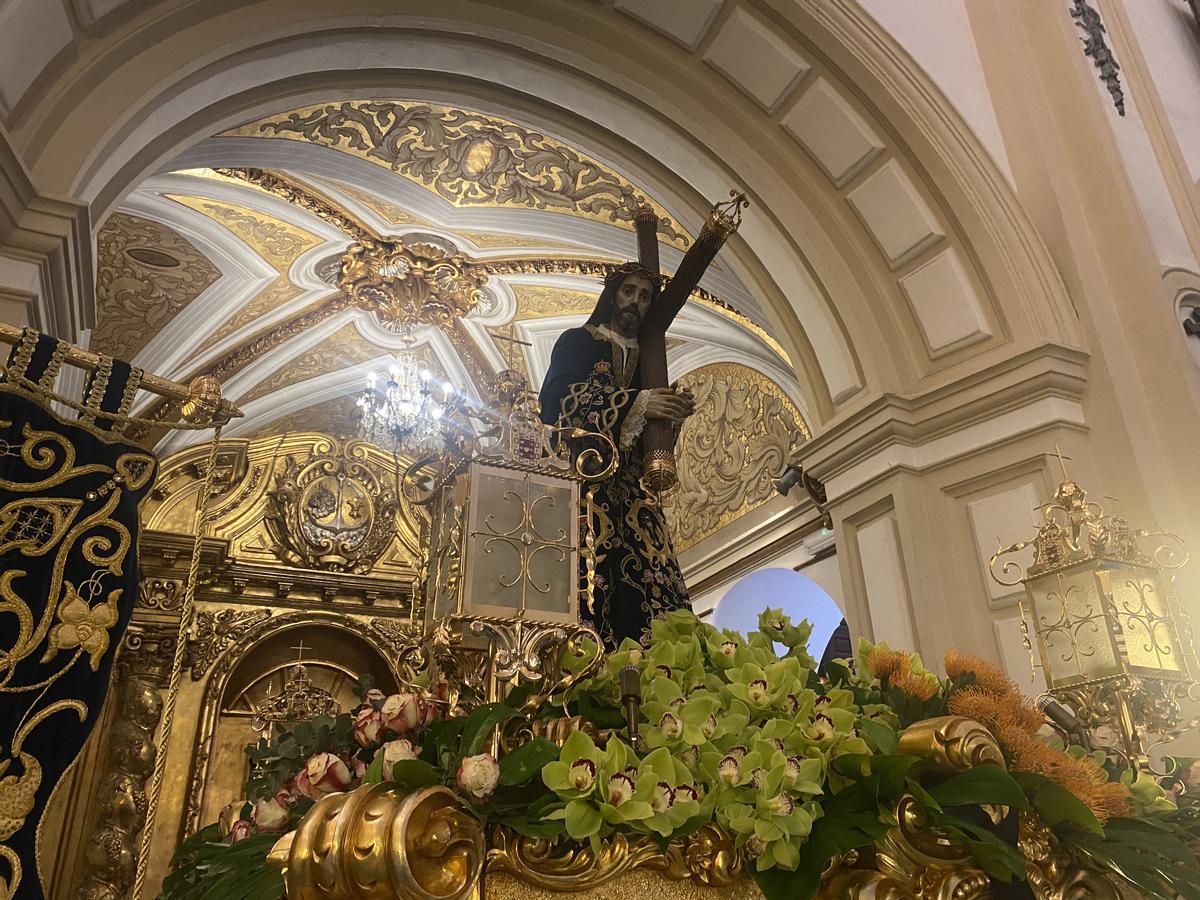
(269, 815)
(396, 751)
(478, 775)
(401, 712)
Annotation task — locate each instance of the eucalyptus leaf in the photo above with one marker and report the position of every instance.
(520, 765)
(479, 724)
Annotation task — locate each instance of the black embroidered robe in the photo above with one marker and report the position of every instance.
(592, 384)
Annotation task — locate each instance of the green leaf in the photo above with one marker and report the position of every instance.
(520, 765)
(374, 773)
(997, 858)
(1055, 804)
(780, 884)
(979, 785)
(884, 738)
(415, 773)
(479, 725)
(606, 716)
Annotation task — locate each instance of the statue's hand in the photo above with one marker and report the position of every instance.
(669, 404)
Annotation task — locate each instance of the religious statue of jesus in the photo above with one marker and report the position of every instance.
(594, 384)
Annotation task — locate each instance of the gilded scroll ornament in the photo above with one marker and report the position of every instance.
(731, 449)
(467, 158)
(216, 632)
(407, 285)
(375, 843)
(138, 293)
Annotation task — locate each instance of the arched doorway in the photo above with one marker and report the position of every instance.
(794, 592)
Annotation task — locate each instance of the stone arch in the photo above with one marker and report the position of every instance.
(906, 268)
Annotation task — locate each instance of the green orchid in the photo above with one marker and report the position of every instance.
(779, 627)
(575, 772)
(677, 720)
(674, 799)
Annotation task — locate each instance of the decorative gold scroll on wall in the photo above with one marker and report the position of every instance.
(468, 158)
(306, 500)
(731, 450)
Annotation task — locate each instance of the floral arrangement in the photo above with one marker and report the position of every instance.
(797, 768)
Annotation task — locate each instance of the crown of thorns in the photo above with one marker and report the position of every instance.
(618, 274)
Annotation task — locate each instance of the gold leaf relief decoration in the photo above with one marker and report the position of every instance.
(390, 212)
(495, 240)
(338, 417)
(539, 302)
(273, 296)
(146, 274)
(730, 450)
(280, 243)
(344, 348)
(467, 158)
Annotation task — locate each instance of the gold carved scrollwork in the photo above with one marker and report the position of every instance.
(467, 158)
(377, 842)
(334, 511)
(410, 285)
(707, 857)
(953, 742)
(1053, 871)
(146, 274)
(730, 451)
(216, 631)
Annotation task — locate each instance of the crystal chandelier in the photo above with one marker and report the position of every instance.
(404, 409)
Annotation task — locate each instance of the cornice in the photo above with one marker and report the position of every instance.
(53, 234)
(1039, 387)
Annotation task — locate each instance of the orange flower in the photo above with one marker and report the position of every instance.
(921, 685)
(885, 662)
(995, 703)
(988, 675)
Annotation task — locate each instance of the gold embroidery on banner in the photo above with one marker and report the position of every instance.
(97, 388)
(35, 525)
(83, 626)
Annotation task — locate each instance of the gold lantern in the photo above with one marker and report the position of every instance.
(508, 509)
(1113, 642)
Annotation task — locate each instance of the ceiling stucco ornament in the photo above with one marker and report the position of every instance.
(732, 448)
(408, 285)
(135, 298)
(468, 158)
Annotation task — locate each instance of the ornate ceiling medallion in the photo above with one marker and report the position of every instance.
(408, 285)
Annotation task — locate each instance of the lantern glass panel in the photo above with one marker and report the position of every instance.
(522, 546)
(1072, 628)
(1142, 612)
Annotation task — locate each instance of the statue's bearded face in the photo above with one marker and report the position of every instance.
(632, 301)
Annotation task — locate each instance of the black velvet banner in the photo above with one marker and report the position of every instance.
(69, 494)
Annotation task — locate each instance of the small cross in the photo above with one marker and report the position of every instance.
(1062, 462)
(300, 648)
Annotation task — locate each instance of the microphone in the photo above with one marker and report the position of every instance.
(1062, 716)
(630, 679)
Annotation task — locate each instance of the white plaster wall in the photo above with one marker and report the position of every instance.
(1170, 41)
(937, 34)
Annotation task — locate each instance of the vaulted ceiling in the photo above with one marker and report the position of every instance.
(236, 271)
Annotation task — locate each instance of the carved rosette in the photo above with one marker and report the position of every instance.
(410, 285)
(378, 842)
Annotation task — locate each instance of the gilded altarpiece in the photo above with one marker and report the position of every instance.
(309, 555)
